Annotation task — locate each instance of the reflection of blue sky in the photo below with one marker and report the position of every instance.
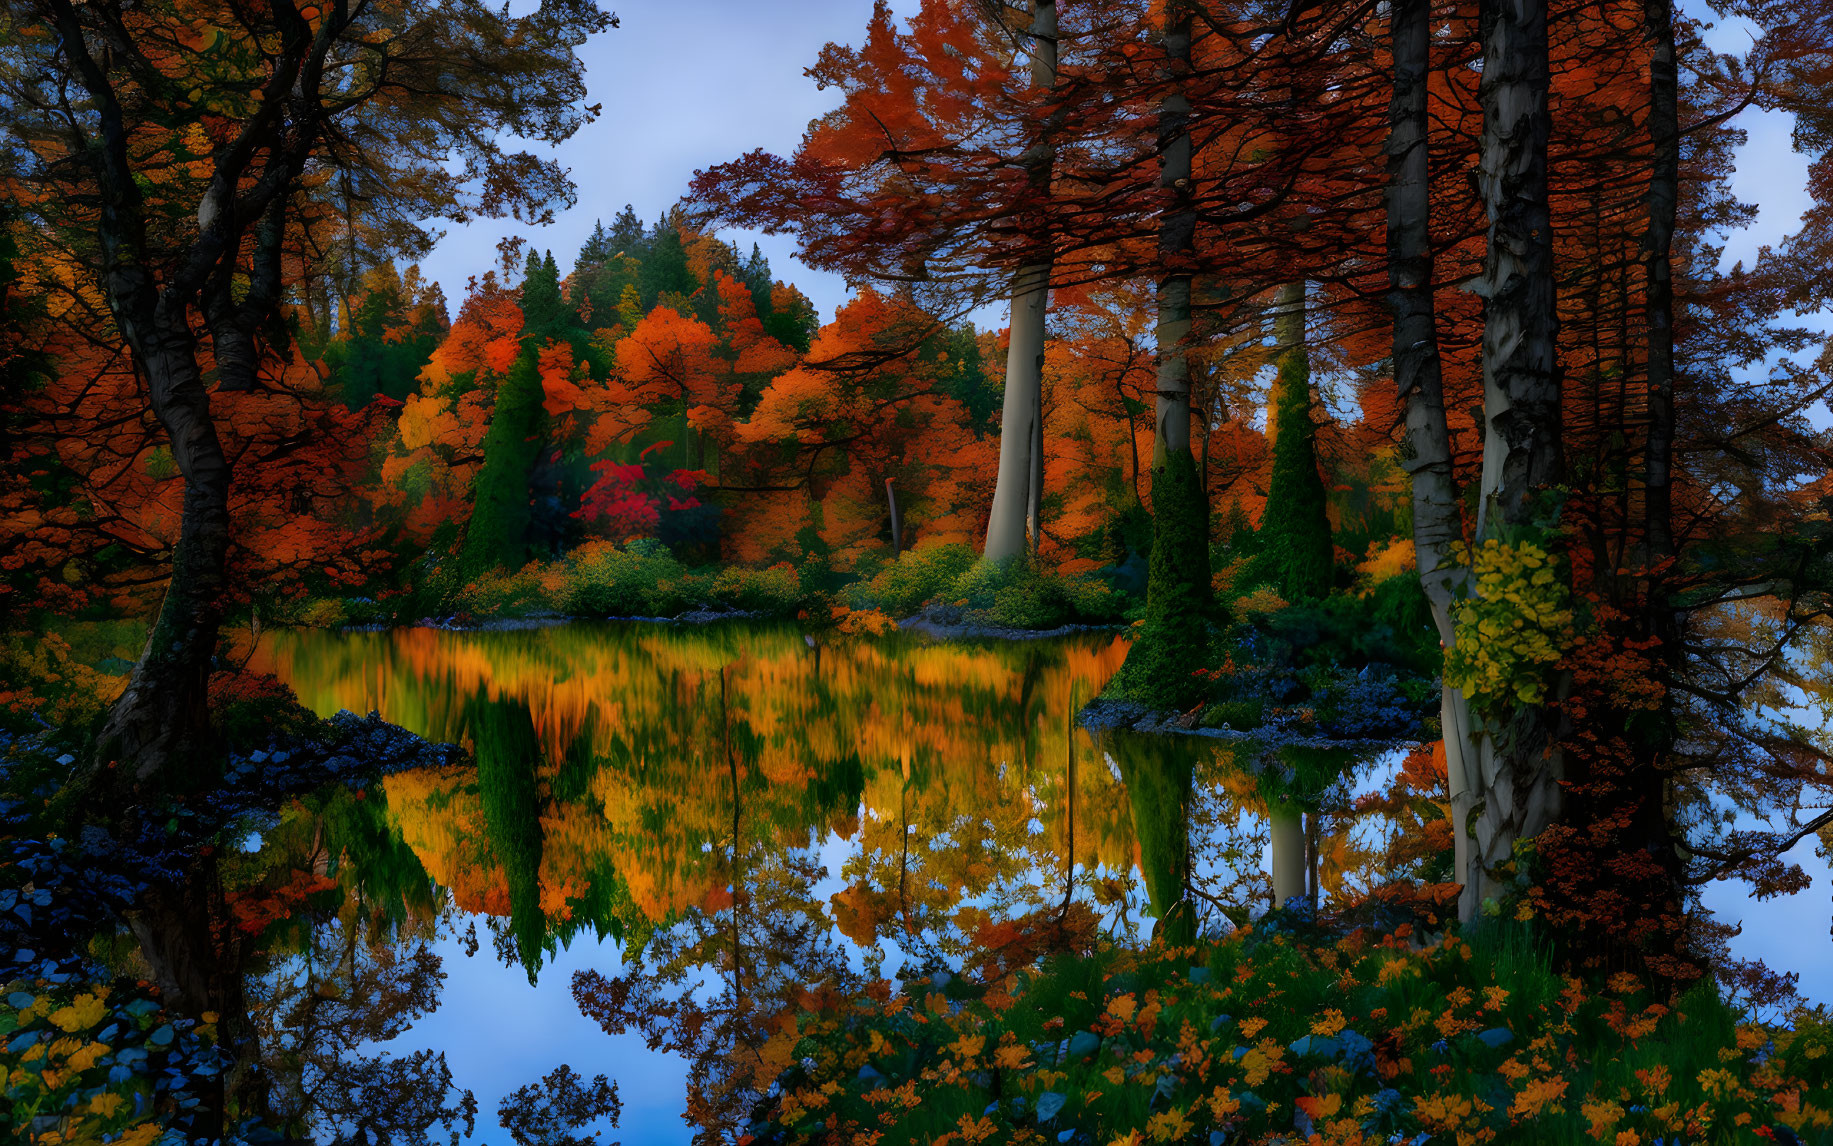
(498, 1034)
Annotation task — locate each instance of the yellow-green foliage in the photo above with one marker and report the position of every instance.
(761, 590)
(532, 589)
(39, 678)
(86, 1055)
(1512, 629)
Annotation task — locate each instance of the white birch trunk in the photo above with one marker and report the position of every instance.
(1020, 428)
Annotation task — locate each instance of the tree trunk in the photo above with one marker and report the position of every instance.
(160, 727)
(1020, 428)
(1174, 637)
(1314, 846)
(1658, 266)
(1176, 246)
(1288, 336)
(1426, 454)
(1522, 450)
(1034, 503)
(1286, 827)
(235, 325)
(897, 519)
(1515, 784)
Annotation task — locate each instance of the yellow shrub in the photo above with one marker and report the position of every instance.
(1517, 624)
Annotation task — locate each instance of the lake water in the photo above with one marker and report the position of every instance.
(674, 830)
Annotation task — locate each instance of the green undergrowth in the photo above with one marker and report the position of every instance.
(637, 579)
(1017, 594)
(644, 578)
(1269, 1037)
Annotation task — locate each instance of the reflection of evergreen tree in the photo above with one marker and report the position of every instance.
(373, 861)
(1157, 773)
(508, 751)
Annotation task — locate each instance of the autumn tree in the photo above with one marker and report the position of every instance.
(106, 97)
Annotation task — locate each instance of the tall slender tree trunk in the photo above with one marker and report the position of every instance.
(1516, 780)
(1034, 503)
(1288, 337)
(1176, 244)
(1178, 593)
(1020, 424)
(1522, 447)
(897, 519)
(1658, 267)
(1437, 518)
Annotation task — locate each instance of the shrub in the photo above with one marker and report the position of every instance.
(251, 708)
(320, 613)
(530, 590)
(776, 591)
(1240, 715)
(639, 579)
(41, 683)
(1018, 594)
(916, 578)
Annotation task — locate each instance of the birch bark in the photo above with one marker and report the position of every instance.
(1020, 431)
(1515, 783)
(1437, 522)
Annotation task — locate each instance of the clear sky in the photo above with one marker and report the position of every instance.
(685, 84)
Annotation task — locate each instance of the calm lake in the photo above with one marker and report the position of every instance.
(674, 830)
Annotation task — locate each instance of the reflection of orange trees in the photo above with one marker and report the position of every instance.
(969, 740)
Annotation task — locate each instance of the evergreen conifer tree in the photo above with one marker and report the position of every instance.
(665, 270)
(497, 535)
(544, 311)
(597, 248)
(1297, 555)
(627, 237)
(756, 275)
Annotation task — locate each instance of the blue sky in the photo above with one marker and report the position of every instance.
(685, 84)
(690, 83)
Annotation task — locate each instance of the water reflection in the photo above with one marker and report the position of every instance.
(676, 789)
